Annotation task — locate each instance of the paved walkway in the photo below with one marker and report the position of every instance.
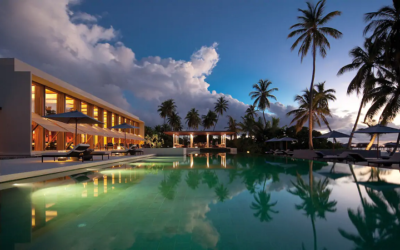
(14, 169)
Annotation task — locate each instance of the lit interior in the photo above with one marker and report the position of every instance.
(51, 102)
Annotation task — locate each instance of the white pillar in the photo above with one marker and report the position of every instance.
(191, 141)
(173, 140)
(207, 146)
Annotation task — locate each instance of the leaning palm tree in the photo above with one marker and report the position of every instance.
(312, 33)
(174, 120)
(385, 25)
(233, 126)
(209, 120)
(166, 108)
(221, 106)
(262, 94)
(320, 108)
(193, 119)
(251, 111)
(366, 61)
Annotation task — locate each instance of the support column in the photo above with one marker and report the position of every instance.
(173, 140)
(207, 146)
(60, 109)
(191, 141)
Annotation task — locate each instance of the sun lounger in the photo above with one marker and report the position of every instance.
(355, 157)
(102, 153)
(392, 160)
(77, 151)
(342, 157)
(123, 151)
(320, 155)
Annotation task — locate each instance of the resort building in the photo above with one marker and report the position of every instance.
(192, 134)
(27, 94)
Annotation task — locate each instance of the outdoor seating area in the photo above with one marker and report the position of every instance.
(208, 136)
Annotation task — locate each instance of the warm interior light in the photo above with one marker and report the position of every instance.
(248, 152)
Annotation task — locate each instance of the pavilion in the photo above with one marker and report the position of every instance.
(191, 134)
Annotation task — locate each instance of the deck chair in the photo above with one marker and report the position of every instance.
(355, 157)
(123, 151)
(320, 155)
(77, 151)
(392, 160)
(342, 157)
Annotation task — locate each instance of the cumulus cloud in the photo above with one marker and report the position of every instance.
(73, 47)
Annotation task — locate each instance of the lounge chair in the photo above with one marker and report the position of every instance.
(342, 157)
(355, 157)
(320, 155)
(77, 152)
(270, 152)
(102, 153)
(123, 151)
(392, 160)
(288, 152)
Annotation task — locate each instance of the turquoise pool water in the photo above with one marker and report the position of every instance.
(206, 202)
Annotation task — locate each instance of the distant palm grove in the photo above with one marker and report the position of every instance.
(376, 64)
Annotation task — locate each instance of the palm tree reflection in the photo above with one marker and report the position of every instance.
(211, 178)
(193, 179)
(169, 183)
(315, 199)
(263, 206)
(221, 192)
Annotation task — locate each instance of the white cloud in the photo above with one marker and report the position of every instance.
(83, 17)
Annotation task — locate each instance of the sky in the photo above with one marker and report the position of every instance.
(136, 54)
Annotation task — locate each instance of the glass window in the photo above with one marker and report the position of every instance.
(105, 118)
(51, 102)
(112, 120)
(33, 99)
(96, 114)
(69, 104)
(84, 108)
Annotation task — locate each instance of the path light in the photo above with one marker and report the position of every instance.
(248, 152)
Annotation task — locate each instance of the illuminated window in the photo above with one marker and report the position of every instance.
(105, 124)
(51, 102)
(96, 114)
(112, 120)
(33, 98)
(69, 104)
(84, 108)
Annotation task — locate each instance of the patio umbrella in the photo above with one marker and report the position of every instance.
(333, 134)
(124, 126)
(73, 117)
(273, 140)
(378, 129)
(287, 139)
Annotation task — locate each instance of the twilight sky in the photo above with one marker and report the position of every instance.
(136, 54)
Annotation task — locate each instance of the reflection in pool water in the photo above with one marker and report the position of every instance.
(207, 202)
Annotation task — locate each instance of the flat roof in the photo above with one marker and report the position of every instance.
(57, 84)
(199, 133)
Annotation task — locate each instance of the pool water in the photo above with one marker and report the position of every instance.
(206, 201)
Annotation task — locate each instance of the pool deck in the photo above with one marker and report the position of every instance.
(22, 168)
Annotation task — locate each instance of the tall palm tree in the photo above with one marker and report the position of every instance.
(262, 94)
(174, 120)
(221, 106)
(221, 192)
(247, 125)
(385, 25)
(320, 109)
(251, 111)
(193, 119)
(166, 108)
(312, 33)
(209, 120)
(233, 126)
(366, 61)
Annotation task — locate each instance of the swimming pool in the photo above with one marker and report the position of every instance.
(206, 201)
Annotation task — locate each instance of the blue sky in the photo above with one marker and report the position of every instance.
(252, 38)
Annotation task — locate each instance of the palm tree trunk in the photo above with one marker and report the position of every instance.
(371, 142)
(265, 120)
(397, 144)
(310, 117)
(216, 122)
(355, 124)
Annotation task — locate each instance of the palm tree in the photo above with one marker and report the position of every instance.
(221, 106)
(193, 179)
(320, 108)
(174, 120)
(166, 108)
(262, 94)
(233, 126)
(263, 206)
(247, 125)
(385, 25)
(251, 111)
(221, 192)
(209, 120)
(366, 61)
(312, 34)
(193, 119)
